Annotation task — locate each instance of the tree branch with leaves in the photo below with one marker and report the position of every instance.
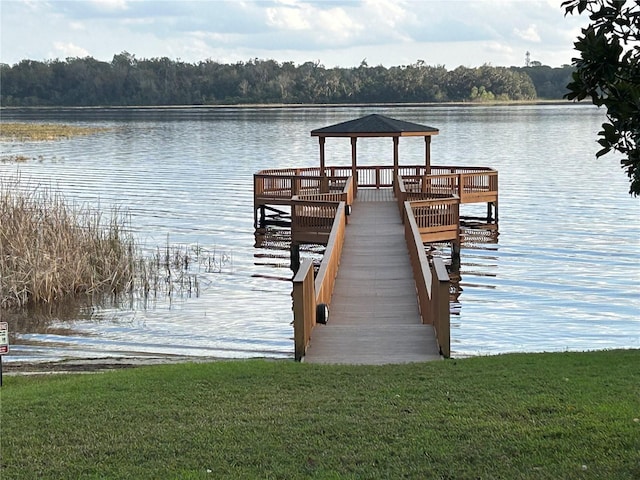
(608, 71)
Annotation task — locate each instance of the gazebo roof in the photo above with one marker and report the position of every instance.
(375, 125)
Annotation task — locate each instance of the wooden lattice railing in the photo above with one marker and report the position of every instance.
(309, 292)
(432, 283)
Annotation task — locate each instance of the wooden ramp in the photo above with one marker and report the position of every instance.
(374, 317)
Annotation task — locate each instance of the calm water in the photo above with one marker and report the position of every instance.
(563, 274)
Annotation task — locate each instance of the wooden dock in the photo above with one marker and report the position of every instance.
(388, 300)
(374, 316)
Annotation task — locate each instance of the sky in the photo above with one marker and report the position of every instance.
(335, 33)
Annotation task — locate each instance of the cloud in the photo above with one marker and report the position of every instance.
(317, 25)
(287, 18)
(66, 50)
(387, 12)
(530, 34)
(110, 5)
(79, 26)
(337, 32)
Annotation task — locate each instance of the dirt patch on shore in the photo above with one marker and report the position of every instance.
(92, 365)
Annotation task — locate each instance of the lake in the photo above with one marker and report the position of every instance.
(562, 274)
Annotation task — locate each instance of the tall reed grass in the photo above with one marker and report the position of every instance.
(50, 250)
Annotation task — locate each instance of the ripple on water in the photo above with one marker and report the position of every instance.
(562, 274)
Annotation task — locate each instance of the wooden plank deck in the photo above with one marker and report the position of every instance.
(374, 317)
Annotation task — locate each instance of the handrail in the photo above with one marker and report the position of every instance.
(304, 307)
(437, 219)
(309, 293)
(319, 197)
(287, 185)
(345, 195)
(312, 221)
(401, 195)
(314, 212)
(440, 311)
(326, 278)
(432, 284)
(471, 184)
(345, 171)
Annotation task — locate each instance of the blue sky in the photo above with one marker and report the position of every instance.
(335, 33)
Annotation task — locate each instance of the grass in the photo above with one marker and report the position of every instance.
(21, 132)
(536, 416)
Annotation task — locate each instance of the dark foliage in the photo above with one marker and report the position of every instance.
(127, 80)
(608, 72)
(551, 83)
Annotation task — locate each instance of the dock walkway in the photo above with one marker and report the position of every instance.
(374, 317)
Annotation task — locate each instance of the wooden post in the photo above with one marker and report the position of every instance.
(396, 161)
(354, 170)
(441, 313)
(324, 183)
(304, 307)
(455, 253)
(295, 256)
(427, 154)
(322, 142)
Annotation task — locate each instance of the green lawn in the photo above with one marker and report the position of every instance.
(537, 416)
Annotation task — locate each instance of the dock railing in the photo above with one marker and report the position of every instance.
(411, 189)
(437, 219)
(437, 214)
(432, 283)
(346, 194)
(471, 184)
(312, 221)
(313, 214)
(304, 307)
(309, 292)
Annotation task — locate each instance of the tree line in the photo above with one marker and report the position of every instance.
(127, 80)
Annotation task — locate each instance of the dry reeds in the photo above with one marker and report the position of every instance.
(43, 131)
(49, 250)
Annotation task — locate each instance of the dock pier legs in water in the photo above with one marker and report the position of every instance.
(277, 217)
(295, 256)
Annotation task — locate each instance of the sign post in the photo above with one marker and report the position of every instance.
(4, 344)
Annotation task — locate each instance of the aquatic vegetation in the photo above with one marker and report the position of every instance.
(51, 251)
(14, 159)
(21, 132)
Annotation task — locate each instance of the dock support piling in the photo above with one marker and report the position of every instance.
(295, 256)
(455, 254)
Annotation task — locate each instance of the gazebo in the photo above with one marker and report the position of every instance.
(375, 125)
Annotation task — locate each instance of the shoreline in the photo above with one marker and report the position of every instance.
(293, 106)
(98, 365)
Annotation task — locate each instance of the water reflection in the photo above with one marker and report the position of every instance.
(563, 274)
(478, 240)
(45, 318)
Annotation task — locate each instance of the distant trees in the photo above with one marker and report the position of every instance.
(550, 83)
(127, 80)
